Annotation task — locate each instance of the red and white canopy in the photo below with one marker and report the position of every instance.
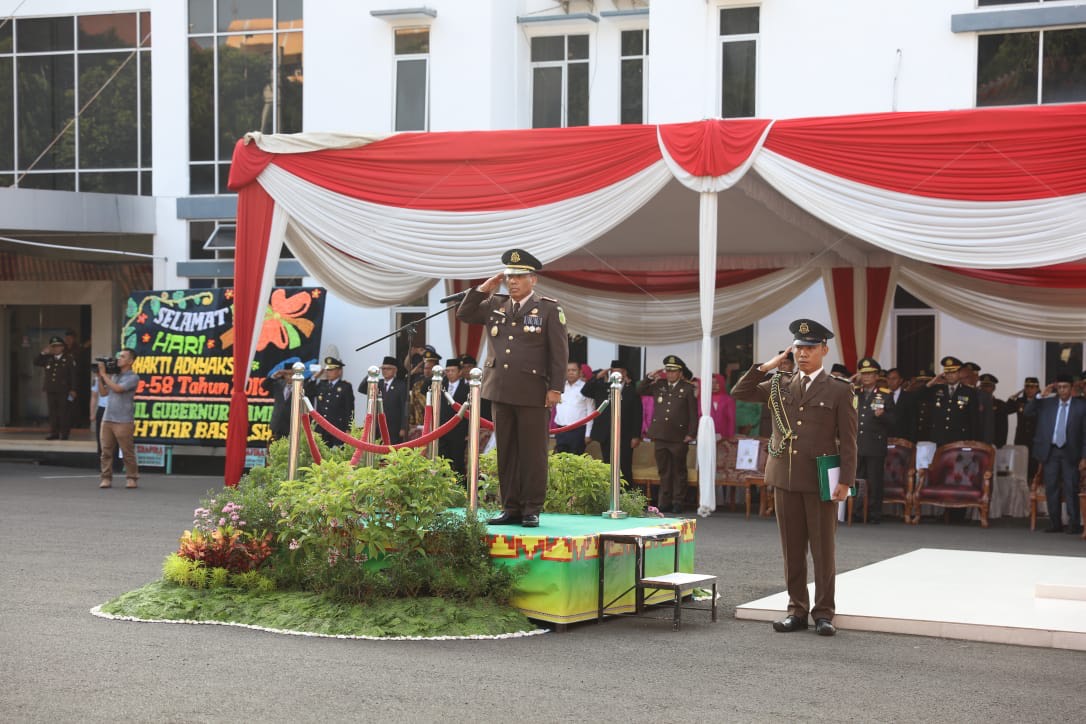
(379, 219)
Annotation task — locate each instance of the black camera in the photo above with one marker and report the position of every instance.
(110, 364)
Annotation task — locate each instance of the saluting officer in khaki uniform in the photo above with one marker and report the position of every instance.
(813, 415)
(524, 377)
(58, 384)
(674, 425)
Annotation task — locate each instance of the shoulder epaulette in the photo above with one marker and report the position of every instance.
(548, 299)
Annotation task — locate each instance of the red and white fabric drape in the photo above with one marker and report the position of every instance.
(860, 300)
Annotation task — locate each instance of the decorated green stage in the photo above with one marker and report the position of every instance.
(563, 554)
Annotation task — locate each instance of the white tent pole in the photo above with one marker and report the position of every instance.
(707, 229)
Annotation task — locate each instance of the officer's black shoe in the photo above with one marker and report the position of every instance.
(504, 519)
(790, 623)
(824, 627)
(1075, 529)
(530, 521)
(1054, 529)
(53, 436)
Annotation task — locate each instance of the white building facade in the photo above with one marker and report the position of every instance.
(213, 69)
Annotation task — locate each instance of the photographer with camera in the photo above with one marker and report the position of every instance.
(118, 421)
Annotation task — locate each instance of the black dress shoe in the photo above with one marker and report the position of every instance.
(790, 623)
(1054, 529)
(504, 519)
(530, 521)
(1074, 529)
(823, 627)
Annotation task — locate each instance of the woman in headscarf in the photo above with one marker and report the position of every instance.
(721, 409)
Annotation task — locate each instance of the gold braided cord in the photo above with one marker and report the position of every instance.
(780, 418)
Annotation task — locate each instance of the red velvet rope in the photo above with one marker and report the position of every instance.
(382, 422)
(584, 421)
(427, 420)
(483, 422)
(357, 457)
(384, 449)
(314, 451)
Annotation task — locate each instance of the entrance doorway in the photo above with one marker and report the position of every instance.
(27, 329)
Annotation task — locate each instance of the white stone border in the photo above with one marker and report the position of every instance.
(97, 611)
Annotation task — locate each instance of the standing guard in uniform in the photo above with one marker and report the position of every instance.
(674, 426)
(333, 397)
(525, 374)
(1026, 427)
(58, 384)
(813, 415)
(875, 412)
(955, 414)
(1000, 409)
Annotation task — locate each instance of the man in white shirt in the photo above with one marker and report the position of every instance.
(572, 407)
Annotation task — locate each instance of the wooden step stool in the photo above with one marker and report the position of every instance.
(676, 581)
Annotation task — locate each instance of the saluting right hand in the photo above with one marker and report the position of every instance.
(492, 284)
(776, 361)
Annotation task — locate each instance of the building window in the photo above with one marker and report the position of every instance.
(75, 103)
(245, 74)
(412, 79)
(632, 357)
(1062, 358)
(738, 61)
(634, 75)
(1042, 66)
(559, 81)
(914, 334)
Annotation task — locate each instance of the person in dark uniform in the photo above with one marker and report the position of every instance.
(58, 384)
(875, 419)
(524, 375)
(394, 396)
(954, 411)
(904, 424)
(970, 376)
(1000, 409)
(674, 426)
(814, 415)
(599, 389)
(278, 385)
(454, 445)
(841, 372)
(420, 390)
(333, 397)
(1026, 427)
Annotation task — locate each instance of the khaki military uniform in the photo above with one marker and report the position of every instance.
(674, 418)
(823, 422)
(527, 354)
(58, 384)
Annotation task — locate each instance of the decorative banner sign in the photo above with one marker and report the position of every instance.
(256, 457)
(185, 339)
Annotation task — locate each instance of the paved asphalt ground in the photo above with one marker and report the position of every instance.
(66, 546)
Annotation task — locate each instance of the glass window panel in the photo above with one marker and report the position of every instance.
(245, 90)
(103, 32)
(108, 124)
(48, 181)
(145, 30)
(43, 35)
(738, 21)
(738, 79)
(199, 232)
(633, 100)
(7, 115)
(239, 15)
(201, 99)
(202, 178)
(1007, 69)
(145, 109)
(290, 84)
(145, 183)
(1063, 78)
(549, 48)
(411, 95)
(5, 36)
(577, 95)
(7, 179)
(122, 182)
(289, 10)
(633, 42)
(46, 91)
(412, 41)
(578, 47)
(546, 97)
(201, 16)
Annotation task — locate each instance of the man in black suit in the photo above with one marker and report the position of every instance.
(279, 388)
(599, 389)
(904, 422)
(393, 391)
(955, 413)
(875, 418)
(1060, 445)
(453, 445)
(1000, 409)
(985, 404)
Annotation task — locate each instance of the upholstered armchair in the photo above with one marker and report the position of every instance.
(729, 475)
(899, 477)
(960, 476)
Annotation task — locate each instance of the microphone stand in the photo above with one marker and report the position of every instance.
(407, 327)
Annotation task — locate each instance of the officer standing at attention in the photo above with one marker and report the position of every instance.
(875, 414)
(954, 410)
(58, 384)
(813, 415)
(674, 426)
(524, 377)
(333, 397)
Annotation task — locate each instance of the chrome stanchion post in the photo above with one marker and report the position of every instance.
(475, 382)
(616, 442)
(435, 405)
(295, 417)
(372, 375)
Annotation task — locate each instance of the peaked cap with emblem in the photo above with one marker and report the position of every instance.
(671, 362)
(518, 261)
(971, 365)
(55, 340)
(1032, 381)
(331, 363)
(868, 364)
(431, 354)
(950, 363)
(809, 333)
(989, 378)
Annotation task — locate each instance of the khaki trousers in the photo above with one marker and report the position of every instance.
(112, 435)
(521, 434)
(805, 521)
(671, 466)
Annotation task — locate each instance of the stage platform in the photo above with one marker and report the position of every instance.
(1006, 598)
(561, 585)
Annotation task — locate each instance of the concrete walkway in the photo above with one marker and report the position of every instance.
(66, 546)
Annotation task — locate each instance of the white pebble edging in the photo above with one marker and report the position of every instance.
(97, 611)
